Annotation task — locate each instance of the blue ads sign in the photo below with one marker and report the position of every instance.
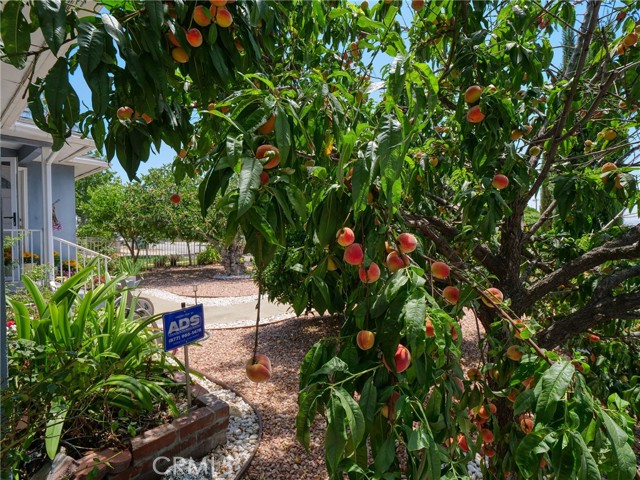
(183, 327)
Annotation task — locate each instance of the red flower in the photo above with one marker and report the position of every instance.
(10, 323)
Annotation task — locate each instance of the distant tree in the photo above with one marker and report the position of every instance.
(82, 194)
(122, 209)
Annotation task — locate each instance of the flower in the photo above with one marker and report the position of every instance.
(10, 323)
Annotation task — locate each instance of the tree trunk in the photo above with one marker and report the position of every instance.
(230, 258)
(189, 252)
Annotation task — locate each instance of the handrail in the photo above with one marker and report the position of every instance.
(81, 248)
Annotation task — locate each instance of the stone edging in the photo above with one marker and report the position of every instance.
(224, 385)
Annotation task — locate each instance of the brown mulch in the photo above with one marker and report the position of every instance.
(209, 279)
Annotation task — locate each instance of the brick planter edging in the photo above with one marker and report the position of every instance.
(224, 385)
(193, 434)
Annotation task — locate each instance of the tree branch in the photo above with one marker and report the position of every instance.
(594, 313)
(442, 234)
(626, 246)
(546, 215)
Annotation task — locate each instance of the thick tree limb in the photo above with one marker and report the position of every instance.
(594, 313)
(442, 234)
(544, 217)
(627, 246)
(605, 287)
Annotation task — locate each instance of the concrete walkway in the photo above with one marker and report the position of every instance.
(227, 312)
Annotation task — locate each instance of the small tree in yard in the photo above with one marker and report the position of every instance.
(122, 209)
(414, 204)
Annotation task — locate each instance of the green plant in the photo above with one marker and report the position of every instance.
(77, 363)
(129, 267)
(40, 273)
(208, 256)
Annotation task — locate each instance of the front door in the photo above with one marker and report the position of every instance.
(10, 222)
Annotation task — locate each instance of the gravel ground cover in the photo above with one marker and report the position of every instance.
(210, 280)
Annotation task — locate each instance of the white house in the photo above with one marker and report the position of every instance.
(38, 194)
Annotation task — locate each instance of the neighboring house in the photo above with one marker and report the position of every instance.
(37, 181)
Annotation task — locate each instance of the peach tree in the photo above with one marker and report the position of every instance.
(406, 145)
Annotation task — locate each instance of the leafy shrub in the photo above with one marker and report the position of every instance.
(208, 256)
(77, 364)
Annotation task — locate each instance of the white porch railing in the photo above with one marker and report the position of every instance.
(22, 249)
(70, 257)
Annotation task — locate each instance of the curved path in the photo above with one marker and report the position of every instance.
(221, 312)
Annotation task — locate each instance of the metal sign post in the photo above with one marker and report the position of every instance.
(181, 328)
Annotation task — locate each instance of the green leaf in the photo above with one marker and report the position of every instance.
(386, 455)
(90, 47)
(624, 459)
(283, 135)
(588, 467)
(16, 37)
(551, 389)
(355, 419)
(369, 401)
(388, 152)
(22, 319)
(212, 183)
(114, 29)
(53, 433)
(306, 411)
(156, 14)
(336, 435)
(332, 366)
(53, 22)
(248, 183)
(526, 453)
(524, 402)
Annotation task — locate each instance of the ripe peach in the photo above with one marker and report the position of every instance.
(384, 411)
(417, 5)
(182, 153)
(353, 254)
(179, 55)
(365, 339)
(218, 3)
(451, 294)
(146, 118)
(514, 353)
(264, 178)
(500, 181)
(528, 128)
(529, 382)
(440, 270)
(475, 115)
(125, 113)
(495, 297)
(487, 435)
(492, 408)
(472, 94)
(355, 50)
(224, 18)
(610, 135)
(268, 126)
(454, 333)
(462, 443)
(526, 423)
(594, 338)
(407, 242)
(268, 155)
(371, 274)
(429, 329)
(345, 237)
(488, 451)
(259, 370)
(194, 37)
(200, 17)
(483, 413)
(513, 394)
(175, 198)
(433, 161)
(607, 167)
(515, 134)
(402, 358)
(396, 261)
(630, 39)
